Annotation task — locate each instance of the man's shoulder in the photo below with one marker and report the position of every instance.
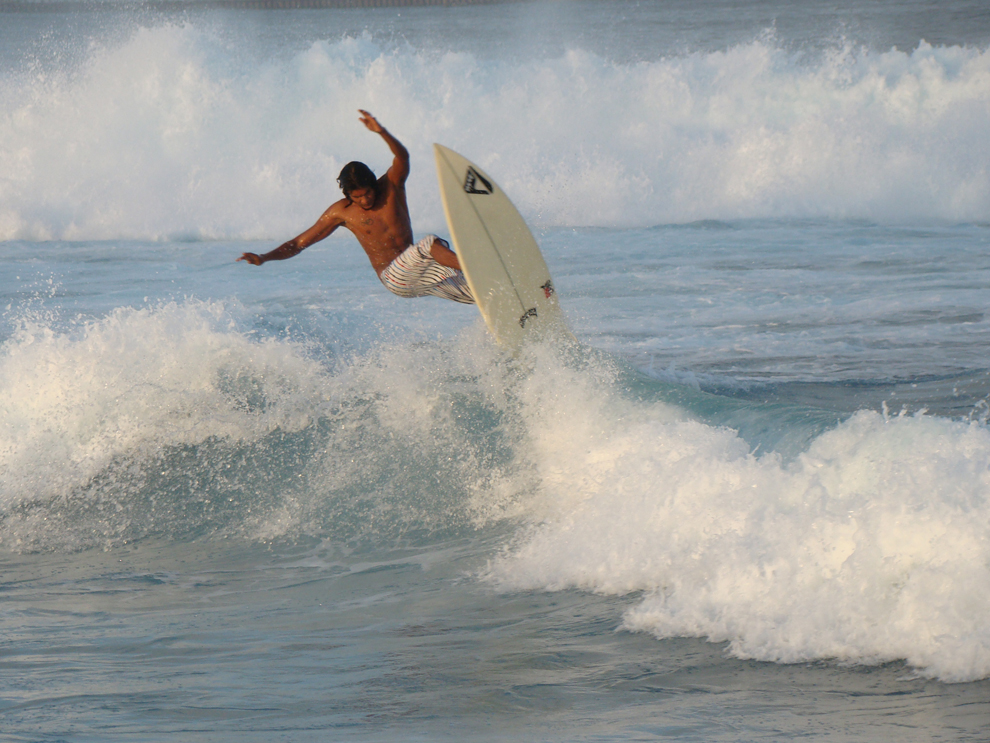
(338, 209)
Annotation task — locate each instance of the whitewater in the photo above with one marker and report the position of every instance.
(279, 503)
(173, 134)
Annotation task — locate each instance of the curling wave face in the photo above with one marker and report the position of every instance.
(175, 422)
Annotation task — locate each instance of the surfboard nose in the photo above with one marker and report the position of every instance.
(501, 260)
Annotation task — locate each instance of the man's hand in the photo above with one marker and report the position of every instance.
(370, 121)
(253, 258)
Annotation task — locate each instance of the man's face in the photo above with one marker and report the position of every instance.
(363, 197)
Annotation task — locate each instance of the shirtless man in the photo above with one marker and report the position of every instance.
(375, 210)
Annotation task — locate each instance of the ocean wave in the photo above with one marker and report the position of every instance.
(177, 133)
(869, 546)
(863, 541)
(178, 421)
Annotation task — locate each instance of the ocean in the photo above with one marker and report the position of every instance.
(752, 503)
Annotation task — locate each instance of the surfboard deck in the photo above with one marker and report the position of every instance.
(501, 261)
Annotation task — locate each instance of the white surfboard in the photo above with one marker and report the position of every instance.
(500, 258)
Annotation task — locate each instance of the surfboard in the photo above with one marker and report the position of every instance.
(503, 265)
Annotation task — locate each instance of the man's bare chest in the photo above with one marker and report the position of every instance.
(370, 223)
(376, 220)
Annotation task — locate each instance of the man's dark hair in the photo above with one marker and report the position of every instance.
(355, 175)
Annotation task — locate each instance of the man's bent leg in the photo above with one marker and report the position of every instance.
(443, 255)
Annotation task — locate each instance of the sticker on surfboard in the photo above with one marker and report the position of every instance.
(475, 183)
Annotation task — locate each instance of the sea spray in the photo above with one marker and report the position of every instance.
(175, 421)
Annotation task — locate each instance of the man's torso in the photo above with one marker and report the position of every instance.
(385, 230)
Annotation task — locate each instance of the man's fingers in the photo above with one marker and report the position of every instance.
(368, 120)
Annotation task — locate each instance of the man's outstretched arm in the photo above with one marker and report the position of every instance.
(400, 163)
(323, 228)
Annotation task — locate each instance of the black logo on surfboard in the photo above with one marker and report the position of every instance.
(531, 312)
(474, 182)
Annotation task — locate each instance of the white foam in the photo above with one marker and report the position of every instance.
(175, 133)
(134, 383)
(176, 421)
(869, 547)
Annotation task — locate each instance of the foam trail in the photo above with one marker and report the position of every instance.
(174, 133)
(871, 546)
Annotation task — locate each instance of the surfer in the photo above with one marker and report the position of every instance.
(375, 210)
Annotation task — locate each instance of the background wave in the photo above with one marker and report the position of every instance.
(175, 132)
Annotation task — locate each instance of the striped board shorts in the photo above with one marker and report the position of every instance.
(415, 273)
